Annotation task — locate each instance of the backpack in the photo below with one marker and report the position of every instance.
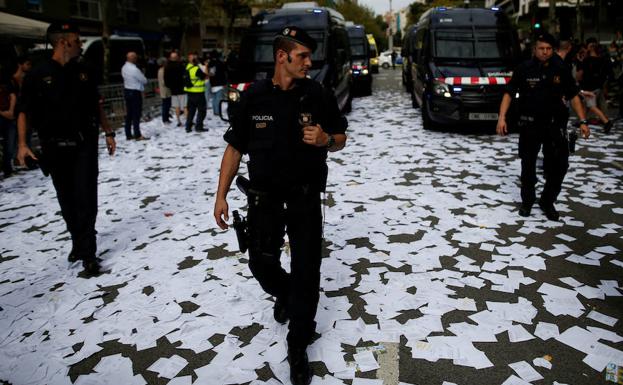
(188, 83)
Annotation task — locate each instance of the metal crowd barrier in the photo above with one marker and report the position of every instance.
(114, 103)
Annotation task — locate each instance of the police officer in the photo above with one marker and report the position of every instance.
(61, 101)
(286, 124)
(543, 83)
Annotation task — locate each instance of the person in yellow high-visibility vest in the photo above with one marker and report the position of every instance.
(194, 86)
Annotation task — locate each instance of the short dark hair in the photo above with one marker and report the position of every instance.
(284, 44)
(21, 59)
(547, 38)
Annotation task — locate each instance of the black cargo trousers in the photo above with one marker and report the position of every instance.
(553, 138)
(270, 217)
(74, 170)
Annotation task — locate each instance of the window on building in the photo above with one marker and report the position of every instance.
(32, 5)
(128, 11)
(86, 9)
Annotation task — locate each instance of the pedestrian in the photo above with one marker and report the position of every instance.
(174, 80)
(218, 80)
(194, 85)
(204, 67)
(394, 55)
(286, 124)
(543, 84)
(592, 74)
(24, 65)
(165, 92)
(133, 86)
(60, 100)
(8, 127)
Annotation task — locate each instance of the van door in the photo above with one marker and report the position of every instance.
(342, 64)
(420, 65)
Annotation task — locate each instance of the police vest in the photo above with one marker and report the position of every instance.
(198, 85)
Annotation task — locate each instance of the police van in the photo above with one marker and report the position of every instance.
(331, 61)
(360, 55)
(463, 58)
(93, 54)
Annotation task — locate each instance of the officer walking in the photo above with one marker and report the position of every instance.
(544, 83)
(286, 124)
(61, 101)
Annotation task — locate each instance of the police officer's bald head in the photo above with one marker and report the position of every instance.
(132, 57)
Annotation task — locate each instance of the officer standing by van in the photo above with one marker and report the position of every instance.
(286, 124)
(543, 83)
(61, 102)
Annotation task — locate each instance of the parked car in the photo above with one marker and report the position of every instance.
(331, 62)
(385, 59)
(463, 59)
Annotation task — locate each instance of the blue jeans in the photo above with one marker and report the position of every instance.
(216, 101)
(134, 109)
(166, 109)
(9, 143)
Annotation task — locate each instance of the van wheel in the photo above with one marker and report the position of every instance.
(368, 89)
(427, 122)
(348, 107)
(385, 65)
(414, 102)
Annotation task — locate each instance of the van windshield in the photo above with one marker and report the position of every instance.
(259, 48)
(478, 44)
(357, 47)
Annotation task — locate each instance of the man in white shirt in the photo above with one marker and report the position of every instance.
(133, 86)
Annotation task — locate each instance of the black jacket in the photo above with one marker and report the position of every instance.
(174, 77)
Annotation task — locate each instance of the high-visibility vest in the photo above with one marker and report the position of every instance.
(198, 84)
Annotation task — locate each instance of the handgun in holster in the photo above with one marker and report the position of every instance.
(240, 222)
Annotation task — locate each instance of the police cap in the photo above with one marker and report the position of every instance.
(297, 35)
(64, 27)
(546, 38)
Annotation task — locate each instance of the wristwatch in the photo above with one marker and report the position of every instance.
(331, 141)
(110, 134)
(583, 121)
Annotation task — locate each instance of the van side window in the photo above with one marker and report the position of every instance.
(342, 48)
(419, 43)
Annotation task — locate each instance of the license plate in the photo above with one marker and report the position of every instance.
(483, 116)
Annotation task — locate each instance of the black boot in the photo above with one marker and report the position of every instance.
(72, 257)
(550, 211)
(91, 267)
(280, 311)
(300, 371)
(525, 209)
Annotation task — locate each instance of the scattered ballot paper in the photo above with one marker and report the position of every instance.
(604, 319)
(525, 371)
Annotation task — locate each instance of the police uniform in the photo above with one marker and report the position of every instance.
(62, 105)
(543, 88)
(286, 179)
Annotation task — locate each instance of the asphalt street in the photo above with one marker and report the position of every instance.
(426, 264)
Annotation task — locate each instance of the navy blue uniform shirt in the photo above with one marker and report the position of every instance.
(268, 125)
(61, 102)
(541, 87)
